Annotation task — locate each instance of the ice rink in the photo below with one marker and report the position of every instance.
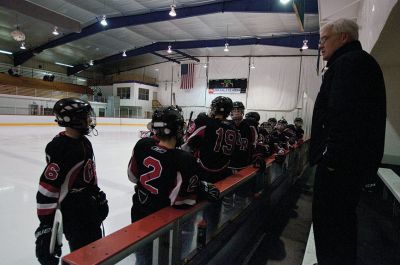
(22, 162)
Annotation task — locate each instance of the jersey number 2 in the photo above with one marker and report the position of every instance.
(151, 162)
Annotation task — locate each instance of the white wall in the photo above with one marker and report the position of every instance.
(372, 18)
(12, 104)
(276, 86)
(392, 140)
(379, 34)
(19, 120)
(105, 90)
(134, 100)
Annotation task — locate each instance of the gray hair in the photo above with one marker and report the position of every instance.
(343, 25)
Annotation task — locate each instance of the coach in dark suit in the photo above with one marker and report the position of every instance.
(347, 139)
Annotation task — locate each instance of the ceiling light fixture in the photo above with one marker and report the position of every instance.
(18, 35)
(205, 65)
(103, 21)
(55, 31)
(91, 62)
(169, 49)
(22, 47)
(172, 12)
(124, 54)
(156, 69)
(226, 49)
(63, 64)
(305, 45)
(5, 52)
(284, 1)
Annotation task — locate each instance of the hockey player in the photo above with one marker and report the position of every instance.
(245, 152)
(253, 117)
(273, 122)
(248, 149)
(278, 138)
(246, 141)
(261, 151)
(298, 123)
(212, 139)
(290, 134)
(69, 183)
(265, 132)
(164, 175)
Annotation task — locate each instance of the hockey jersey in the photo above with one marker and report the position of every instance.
(278, 139)
(299, 133)
(246, 142)
(164, 177)
(213, 143)
(70, 165)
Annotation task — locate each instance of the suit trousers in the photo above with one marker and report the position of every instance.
(336, 196)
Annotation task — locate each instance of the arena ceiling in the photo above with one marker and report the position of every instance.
(144, 29)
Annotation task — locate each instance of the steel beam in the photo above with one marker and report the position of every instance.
(259, 6)
(42, 13)
(166, 57)
(290, 41)
(187, 55)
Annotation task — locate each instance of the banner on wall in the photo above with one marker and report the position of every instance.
(227, 86)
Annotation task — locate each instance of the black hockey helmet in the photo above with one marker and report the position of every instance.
(283, 121)
(75, 113)
(237, 111)
(202, 115)
(267, 126)
(168, 122)
(238, 105)
(221, 105)
(272, 120)
(298, 121)
(253, 116)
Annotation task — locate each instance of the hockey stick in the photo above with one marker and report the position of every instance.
(56, 232)
(189, 122)
(190, 117)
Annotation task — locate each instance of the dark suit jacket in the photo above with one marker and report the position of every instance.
(349, 119)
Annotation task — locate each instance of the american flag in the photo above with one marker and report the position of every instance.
(187, 76)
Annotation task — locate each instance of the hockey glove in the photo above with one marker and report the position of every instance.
(43, 237)
(259, 162)
(280, 156)
(102, 203)
(208, 191)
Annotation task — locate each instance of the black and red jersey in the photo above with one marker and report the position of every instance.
(278, 139)
(70, 165)
(299, 133)
(245, 145)
(164, 177)
(212, 142)
(290, 134)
